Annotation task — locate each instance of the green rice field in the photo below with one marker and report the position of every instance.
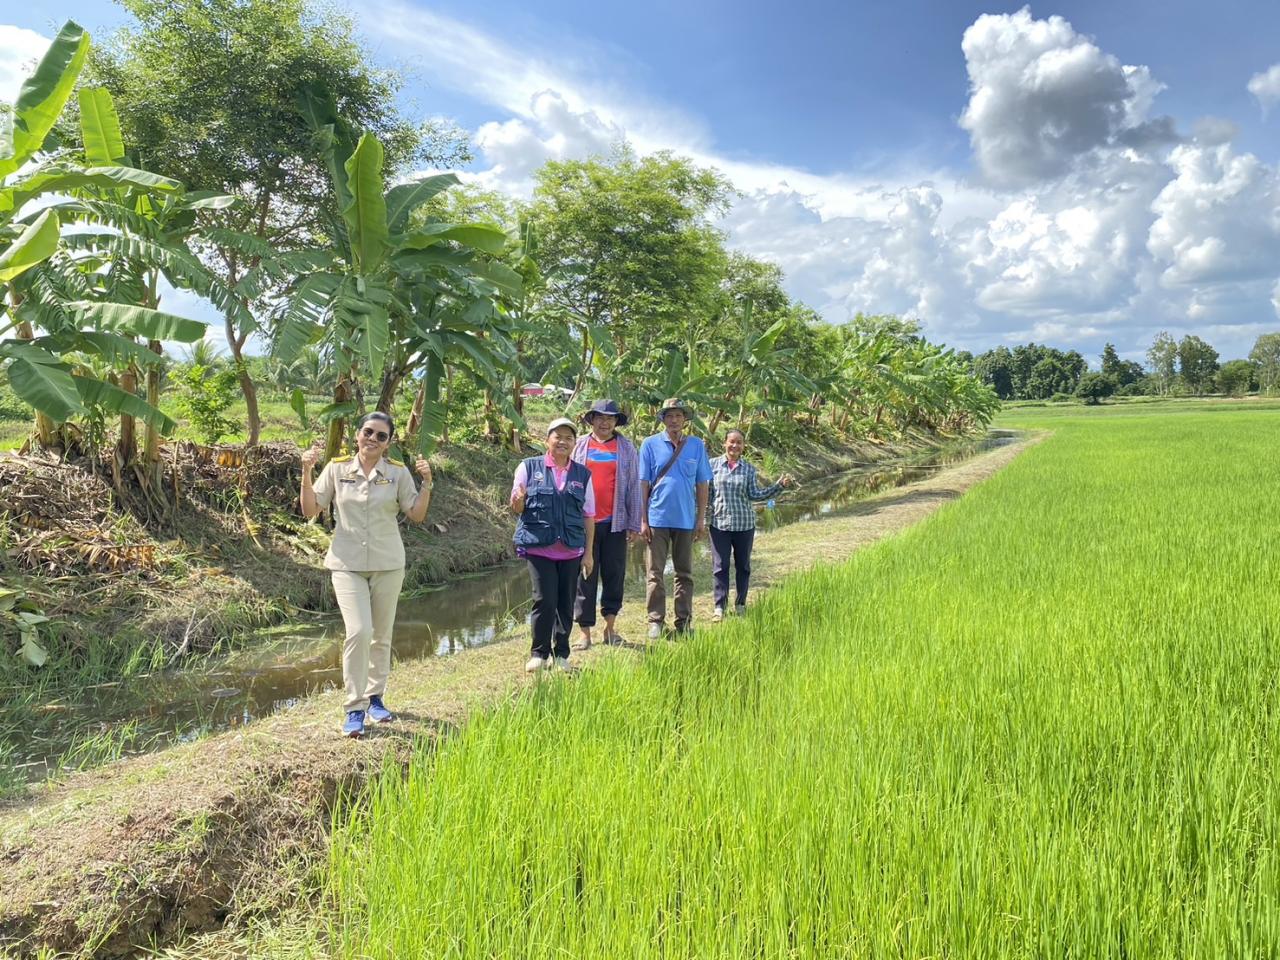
(1041, 724)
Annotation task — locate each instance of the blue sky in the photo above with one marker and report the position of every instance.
(1075, 173)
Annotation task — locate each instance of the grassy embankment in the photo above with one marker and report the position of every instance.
(1041, 723)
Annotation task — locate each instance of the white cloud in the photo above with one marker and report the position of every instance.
(19, 50)
(1218, 220)
(1265, 86)
(516, 148)
(1042, 95)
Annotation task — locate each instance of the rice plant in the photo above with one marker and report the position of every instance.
(1040, 724)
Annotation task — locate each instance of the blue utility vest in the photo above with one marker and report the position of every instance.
(551, 514)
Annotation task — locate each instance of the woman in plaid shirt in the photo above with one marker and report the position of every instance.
(734, 485)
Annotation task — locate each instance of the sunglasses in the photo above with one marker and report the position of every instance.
(380, 435)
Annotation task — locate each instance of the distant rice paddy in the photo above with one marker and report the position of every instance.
(1042, 723)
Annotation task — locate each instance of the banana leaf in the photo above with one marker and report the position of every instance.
(34, 245)
(100, 126)
(139, 321)
(46, 387)
(111, 399)
(366, 214)
(42, 97)
(407, 197)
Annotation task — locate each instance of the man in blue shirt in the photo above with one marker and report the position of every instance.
(674, 478)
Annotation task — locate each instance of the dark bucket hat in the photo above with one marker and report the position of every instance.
(607, 407)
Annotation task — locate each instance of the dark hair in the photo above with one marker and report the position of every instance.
(732, 431)
(378, 415)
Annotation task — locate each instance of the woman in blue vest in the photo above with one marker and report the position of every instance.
(555, 530)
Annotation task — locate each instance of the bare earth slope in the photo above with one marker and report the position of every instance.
(149, 850)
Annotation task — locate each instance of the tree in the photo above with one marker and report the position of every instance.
(995, 367)
(1095, 387)
(387, 299)
(1197, 363)
(69, 285)
(1162, 359)
(1266, 355)
(626, 246)
(1237, 377)
(208, 93)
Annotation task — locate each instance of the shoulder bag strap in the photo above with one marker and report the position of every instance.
(670, 463)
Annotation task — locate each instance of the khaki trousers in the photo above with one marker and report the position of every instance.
(679, 543)
(368, 605)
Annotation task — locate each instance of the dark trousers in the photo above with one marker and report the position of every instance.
(722, 542)
(679, 543)
(554, 585)
(610, 572)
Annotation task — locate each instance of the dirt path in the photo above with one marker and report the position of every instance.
(149, 850)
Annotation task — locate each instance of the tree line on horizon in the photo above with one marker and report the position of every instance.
(1187, 367)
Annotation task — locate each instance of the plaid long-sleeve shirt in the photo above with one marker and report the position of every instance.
(732, 491)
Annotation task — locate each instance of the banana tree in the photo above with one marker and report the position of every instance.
(391, 298)
(48, 281)
(756, 371)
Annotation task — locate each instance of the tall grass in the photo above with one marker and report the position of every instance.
(1043, 723)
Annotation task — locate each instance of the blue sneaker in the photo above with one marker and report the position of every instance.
(354, 727)
(378, 713)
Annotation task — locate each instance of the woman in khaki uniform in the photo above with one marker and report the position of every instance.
(366, 556)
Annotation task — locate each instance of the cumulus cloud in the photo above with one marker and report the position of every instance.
(1042, 95)
(19, 50)
(1265, 87)
(1218, 220)
(515, 148)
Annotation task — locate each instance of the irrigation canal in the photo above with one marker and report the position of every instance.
(291, 663)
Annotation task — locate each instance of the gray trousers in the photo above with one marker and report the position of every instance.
(679, 544)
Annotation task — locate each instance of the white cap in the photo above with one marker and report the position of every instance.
(562, 422)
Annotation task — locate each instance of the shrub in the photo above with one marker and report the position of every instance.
(204, 395)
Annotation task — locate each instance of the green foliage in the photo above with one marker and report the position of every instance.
(230, 122)
(1266, 356)
(1093, 388)
(627, 243)
(1162, 358)
(1197, 363)
(1030, 372)
(11, 406)
(21, 620)
(1122, 372)
(1237, 377)
(65, 283)
(204, 396)
(41, 99)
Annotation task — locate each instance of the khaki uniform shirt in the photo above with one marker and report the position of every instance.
(366, 536)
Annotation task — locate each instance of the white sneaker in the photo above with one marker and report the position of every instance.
(718, 615)
(563, 664)
(655, 631)
(535, 664)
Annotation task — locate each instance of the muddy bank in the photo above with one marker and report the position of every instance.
(150, 850)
